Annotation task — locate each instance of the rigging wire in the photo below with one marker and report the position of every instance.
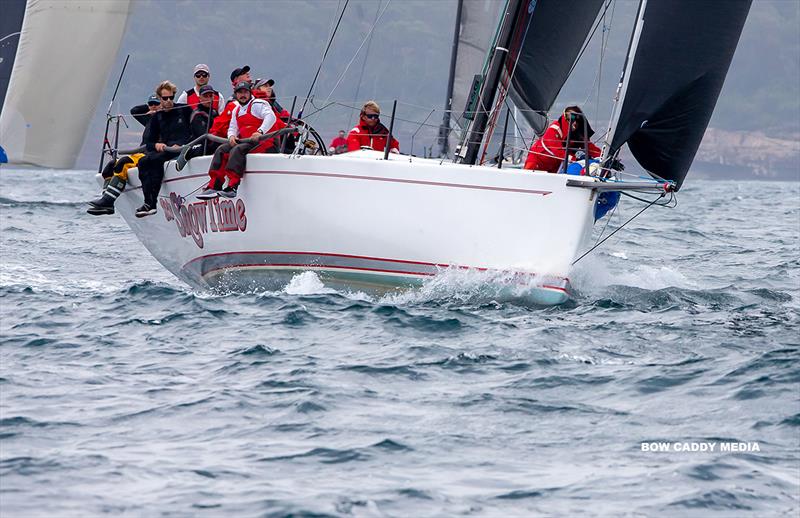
(589, 39)
(516, 124)
(366, 57)
(605, 37)
(324, 55)
(355, 55)
(653, 202)
(610, 217)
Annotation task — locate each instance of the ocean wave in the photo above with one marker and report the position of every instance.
(10, 202)
(718, 500)
(339, 456)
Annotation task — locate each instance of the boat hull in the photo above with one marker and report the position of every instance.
(367, 224)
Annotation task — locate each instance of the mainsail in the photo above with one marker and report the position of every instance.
(680, 56)
(49, 101)
(551, 34)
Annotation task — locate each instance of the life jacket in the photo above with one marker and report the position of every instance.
(249, 123)
(221, 122)
(192, 99)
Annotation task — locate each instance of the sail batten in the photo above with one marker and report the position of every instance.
(678, 68)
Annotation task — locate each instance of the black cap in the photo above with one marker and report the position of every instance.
(242, 85)
(205, 89)
(154, 99)
(239, 71)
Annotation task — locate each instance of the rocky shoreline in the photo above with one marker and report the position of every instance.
(747, 155)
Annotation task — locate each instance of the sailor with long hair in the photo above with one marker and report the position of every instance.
(548, 151)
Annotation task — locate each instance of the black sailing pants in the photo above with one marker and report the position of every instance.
(151, 173)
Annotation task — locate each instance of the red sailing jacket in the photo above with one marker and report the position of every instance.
(547, 153)
(249, 123)
(361, 136)
(223, 120)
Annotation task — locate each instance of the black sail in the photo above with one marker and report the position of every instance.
(549, 37)
(677, 72)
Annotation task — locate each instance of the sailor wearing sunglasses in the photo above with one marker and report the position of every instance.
(202, 75)
(370, 133)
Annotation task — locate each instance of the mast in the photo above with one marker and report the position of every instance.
(624, 78)
(444, 129)
(474, 135)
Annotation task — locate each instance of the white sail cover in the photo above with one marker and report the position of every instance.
(65, 53)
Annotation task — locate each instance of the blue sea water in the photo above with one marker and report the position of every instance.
(124, 392)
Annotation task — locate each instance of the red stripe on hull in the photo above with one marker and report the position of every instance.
(323, 266)
(350, 267)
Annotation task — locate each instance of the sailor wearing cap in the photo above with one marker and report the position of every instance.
(202, 75)
(241, 74)
(250, 118)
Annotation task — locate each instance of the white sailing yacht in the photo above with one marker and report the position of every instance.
(367, 220)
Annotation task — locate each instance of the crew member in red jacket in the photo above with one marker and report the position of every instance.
(223, 120)
(250, 118)
(547, 152)
(370, 132)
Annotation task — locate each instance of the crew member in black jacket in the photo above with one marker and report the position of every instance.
(115, 173)
(144, 112)
(167, 130)
(201, 120)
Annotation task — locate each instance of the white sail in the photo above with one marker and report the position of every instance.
(64, 56)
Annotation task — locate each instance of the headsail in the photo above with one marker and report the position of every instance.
(68, 46)
(673, 80)
(550, 35)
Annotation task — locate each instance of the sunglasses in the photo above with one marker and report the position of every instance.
(372, 115)
(201, 74)
(167, 97)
